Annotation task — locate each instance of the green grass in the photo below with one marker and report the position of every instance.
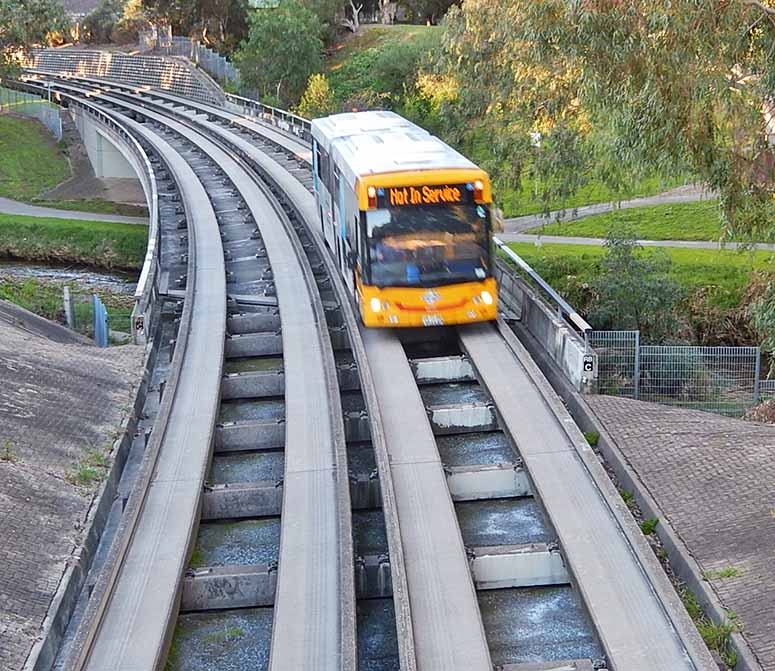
(679, 221)
(371, 70)
(92, 243)
(524, 201)
(90, 469)
(7, 453)
(30, 161)
(725, 572)
(726, 271)
(717, 637)
(592, 437)
(649, 526)
(370, 38)
(44, 298)
(96, 206)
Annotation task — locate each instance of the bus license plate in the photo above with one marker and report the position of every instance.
(432, 320)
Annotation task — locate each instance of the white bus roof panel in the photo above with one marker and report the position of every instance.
(366, 143)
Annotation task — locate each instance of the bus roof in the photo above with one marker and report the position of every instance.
(365, 143)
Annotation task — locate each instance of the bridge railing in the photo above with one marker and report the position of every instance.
(147, 286)
(284, 120)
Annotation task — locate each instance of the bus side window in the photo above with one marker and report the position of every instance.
(324, 169)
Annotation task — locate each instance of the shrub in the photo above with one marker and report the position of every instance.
(636, 292)
(318, 99)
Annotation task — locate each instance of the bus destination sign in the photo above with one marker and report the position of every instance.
(438, 194)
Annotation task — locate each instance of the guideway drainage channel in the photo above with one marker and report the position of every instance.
(530, 611)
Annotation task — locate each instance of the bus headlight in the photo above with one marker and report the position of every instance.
(487, 298)
(376, 304)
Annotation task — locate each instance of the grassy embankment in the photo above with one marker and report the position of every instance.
(63, 241)
(725, 272)
(31, 163)
(30, 160)
(44, 298)
(89, 243)
(677, 221)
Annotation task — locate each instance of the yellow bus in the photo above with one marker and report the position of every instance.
(407, 218)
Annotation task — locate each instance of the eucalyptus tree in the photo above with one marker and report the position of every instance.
(283, 50)
(677, 85)
(24, 23)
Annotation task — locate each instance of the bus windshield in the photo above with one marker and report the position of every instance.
(428, 245)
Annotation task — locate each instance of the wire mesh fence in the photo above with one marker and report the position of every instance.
(87, 315)
(767, 390)
(617, 362)
(723, 380)
(217, 66)
(29, 105)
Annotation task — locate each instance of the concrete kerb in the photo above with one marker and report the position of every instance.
(681, 560)
(663, 588)
(44, 651)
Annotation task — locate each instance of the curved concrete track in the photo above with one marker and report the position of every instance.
(604, 584)
(312, 551)
(134, 626)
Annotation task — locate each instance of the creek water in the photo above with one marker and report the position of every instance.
(81, 277)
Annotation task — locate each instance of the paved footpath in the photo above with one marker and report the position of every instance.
(714, 479)
(8, 206)
(597, 242)
(57, 401)
(682, 194)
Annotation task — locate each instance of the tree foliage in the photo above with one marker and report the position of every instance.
(318, 99)
(25, 23)
(635, 290)
(673, 85)
(282, 52)
(220, 23)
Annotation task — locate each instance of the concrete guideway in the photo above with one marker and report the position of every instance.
(448, 630)
(625, 591)
(670, 601)
(143, 601)
(600, 242)
(310, 546)
(604, 636)
(8, 206)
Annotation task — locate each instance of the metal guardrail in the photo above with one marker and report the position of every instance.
(284, 120)
(564, 309)
(147, 285)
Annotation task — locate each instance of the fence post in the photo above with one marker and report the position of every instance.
(100, 322)
(68, 305)
(636, 374)
(757, 379)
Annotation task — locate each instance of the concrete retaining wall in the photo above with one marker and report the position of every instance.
(562, 344)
